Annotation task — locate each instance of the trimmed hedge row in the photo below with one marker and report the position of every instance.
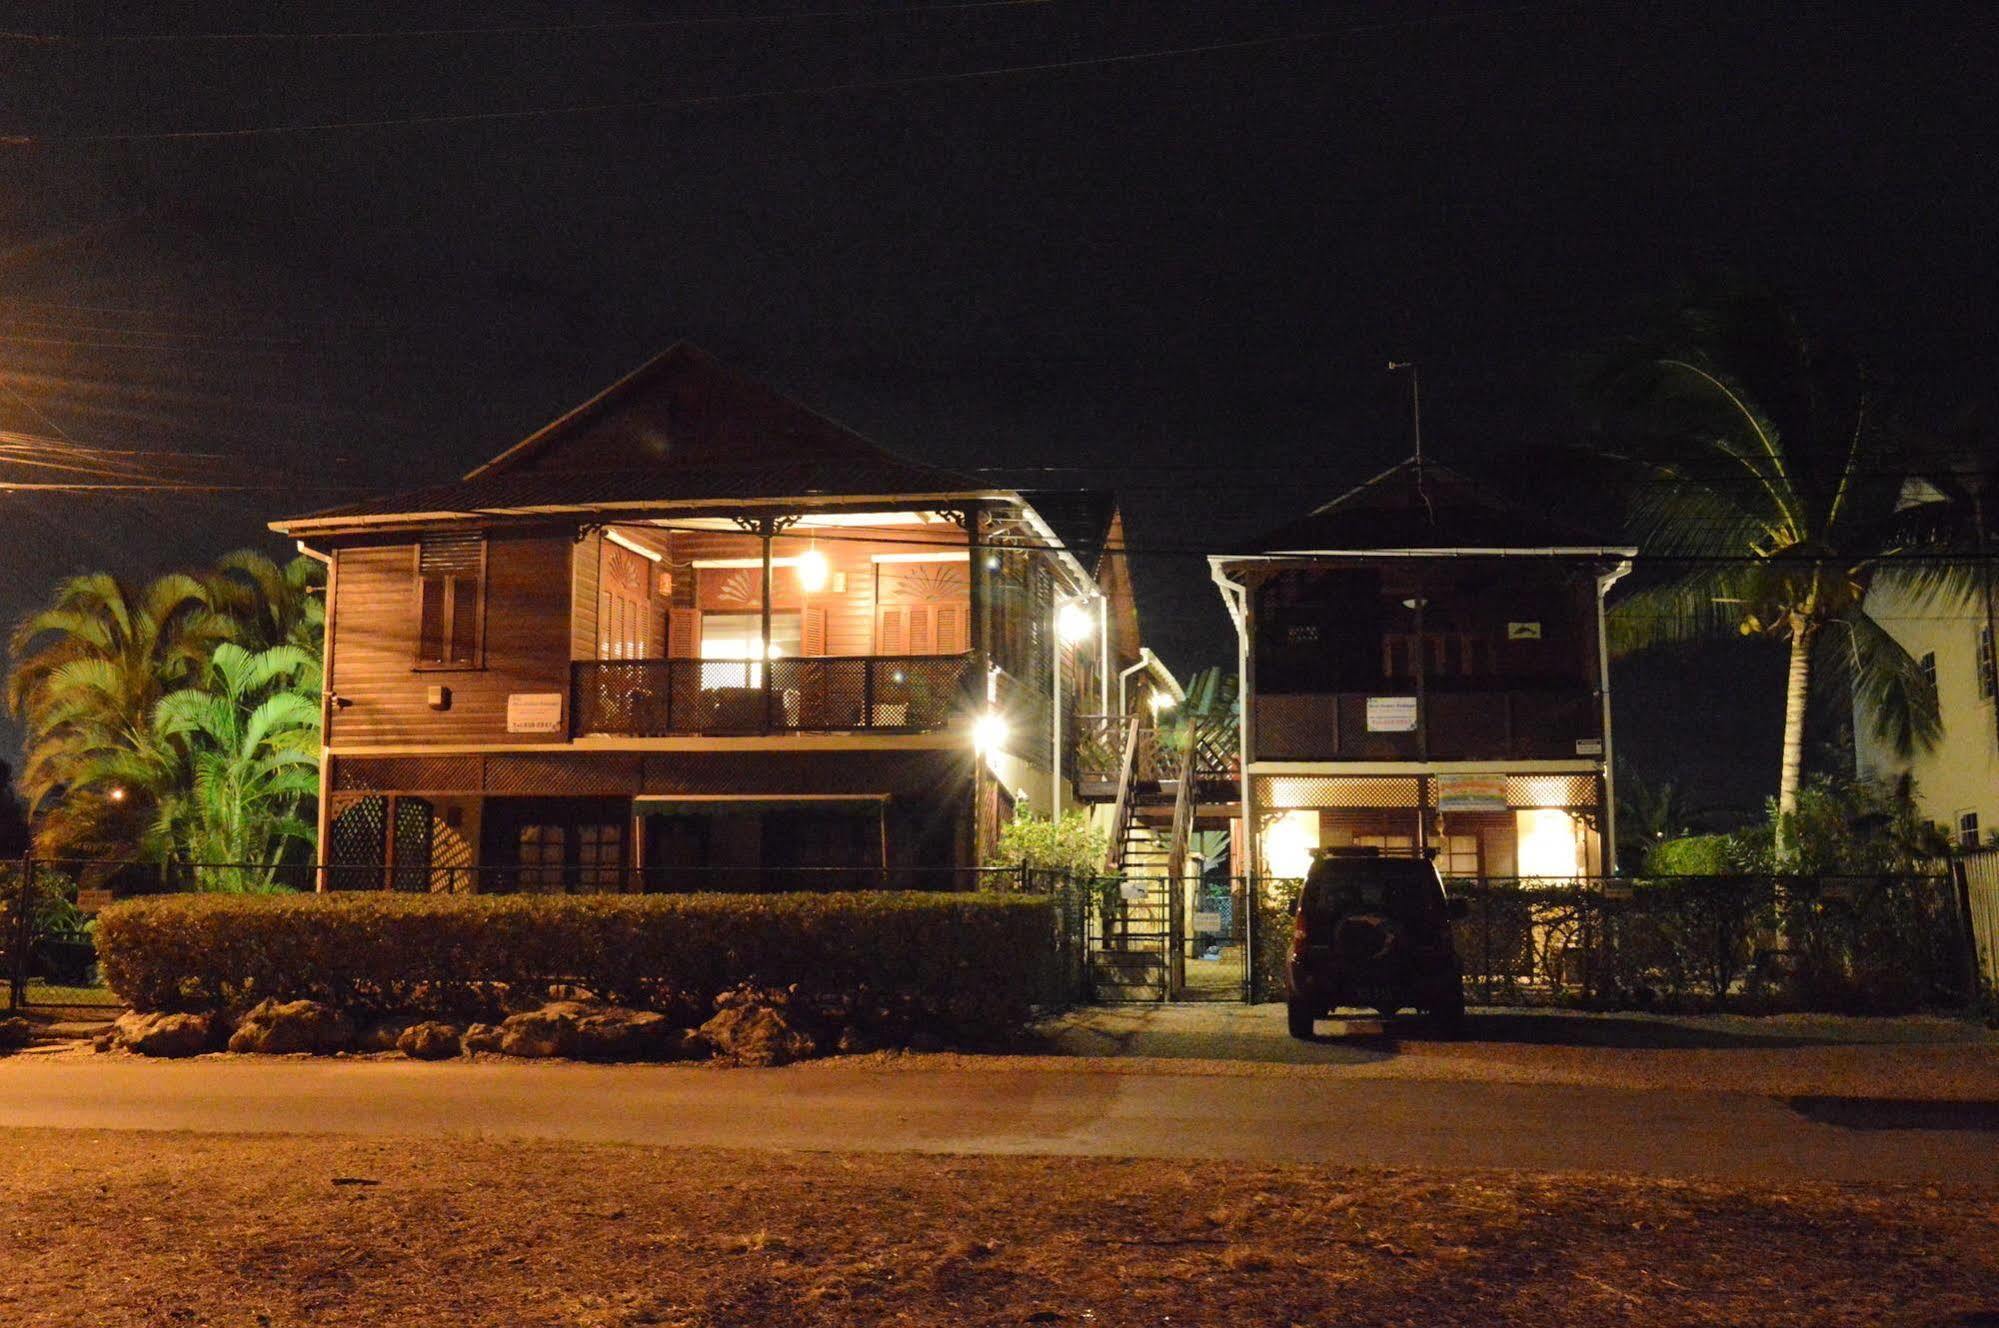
(966, 964)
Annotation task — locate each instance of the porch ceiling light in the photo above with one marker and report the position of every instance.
(1160, 701)
(1073, 623)
(812, 571)
(989, 732)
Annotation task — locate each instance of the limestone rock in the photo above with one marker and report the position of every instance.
(480, 1037)
(430, 1040)
(279, 1027)
(616, 1034)
(15, 1032)
(756, 1035)
(165, 1034)
(383, 1034)
(549, 1031)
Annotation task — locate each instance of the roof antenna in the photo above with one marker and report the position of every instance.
(1416, 421)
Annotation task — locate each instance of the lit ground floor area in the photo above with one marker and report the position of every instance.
(145, 1228)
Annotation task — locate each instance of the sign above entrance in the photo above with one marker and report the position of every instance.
(1589, 746)
(1471, 793)
(1523, 631)
(534, 712)
(1391, 714)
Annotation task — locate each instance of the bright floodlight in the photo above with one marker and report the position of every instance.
(1160, 701)
(812, 570)
(989, 732)
(1072, 621)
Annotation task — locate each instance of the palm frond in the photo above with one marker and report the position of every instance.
(1891, 692)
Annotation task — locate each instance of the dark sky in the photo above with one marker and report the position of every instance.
(1178, 276)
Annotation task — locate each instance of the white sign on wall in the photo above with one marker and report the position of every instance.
(1391, 714)
(1523, 631)
(534, 712)
(1589, 746)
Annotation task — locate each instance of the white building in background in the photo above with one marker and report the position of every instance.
(1957, 782)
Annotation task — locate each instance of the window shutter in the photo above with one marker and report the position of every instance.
(449, 569)
(953, 622)
(892, 634)
(683, 634)
(812, 632)
(430, 620)
(921, 637)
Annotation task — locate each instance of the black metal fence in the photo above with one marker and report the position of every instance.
(1859, 944)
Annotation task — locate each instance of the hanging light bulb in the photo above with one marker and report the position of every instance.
(812, 570)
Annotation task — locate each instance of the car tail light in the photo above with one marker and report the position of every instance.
(1300, 932)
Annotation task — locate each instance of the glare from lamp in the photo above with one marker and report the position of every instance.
(1160, 701)
(117, 793)
(812, 570)
(1288, 844)
(1072, 622)
(989, 732)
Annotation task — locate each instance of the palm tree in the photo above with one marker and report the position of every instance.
(87, 671)
(1769, 484)
(244, 742)
(275, 605)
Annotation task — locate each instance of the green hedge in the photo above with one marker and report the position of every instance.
(965, 964)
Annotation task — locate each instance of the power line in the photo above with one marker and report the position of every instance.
(520, 29)
(770, 94)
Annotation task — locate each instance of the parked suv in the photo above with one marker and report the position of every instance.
(1373, 931)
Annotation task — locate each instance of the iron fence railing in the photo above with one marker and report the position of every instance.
(1873, 943)
(654, 698)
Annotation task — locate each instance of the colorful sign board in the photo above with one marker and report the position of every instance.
(1471, 793)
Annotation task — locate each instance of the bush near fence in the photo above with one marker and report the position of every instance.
(960, 965)
(1855, 945)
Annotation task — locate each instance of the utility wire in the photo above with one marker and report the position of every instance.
(521, 29)
(769, 94)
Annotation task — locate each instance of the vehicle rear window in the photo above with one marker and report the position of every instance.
(1396, 888)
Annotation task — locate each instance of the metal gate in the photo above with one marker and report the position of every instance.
(1154, 939)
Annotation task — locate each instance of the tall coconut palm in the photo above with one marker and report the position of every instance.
(1767, 485)
(244, 744)
(87, 671)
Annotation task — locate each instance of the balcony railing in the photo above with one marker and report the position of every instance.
(657, 698)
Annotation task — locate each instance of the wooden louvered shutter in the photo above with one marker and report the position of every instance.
(683, 634)
(812, 632)
(954, 628)
(921, 635)
(450, 607)
(892, 632)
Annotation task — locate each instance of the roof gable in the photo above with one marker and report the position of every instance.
(683, 427)
(1419, 504)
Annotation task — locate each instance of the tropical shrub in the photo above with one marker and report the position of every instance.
(969, 965)
(1072, 845)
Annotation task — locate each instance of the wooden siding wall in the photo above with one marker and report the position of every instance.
(527, 643)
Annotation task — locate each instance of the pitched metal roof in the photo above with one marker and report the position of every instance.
(681, 428)
(1420, 505)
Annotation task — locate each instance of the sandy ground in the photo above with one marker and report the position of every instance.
(265, 1232)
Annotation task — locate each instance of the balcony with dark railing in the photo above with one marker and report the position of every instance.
(658, 698)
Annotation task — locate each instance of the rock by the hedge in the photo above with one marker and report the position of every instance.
(617, 1034)
(549, 1031)
(275, 1028)
(164, 1034)
(430, 1040)
(756, 1035)
(15, 1032)
(382, 1035)
(480, 1037)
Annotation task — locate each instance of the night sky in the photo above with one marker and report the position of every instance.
(1181, 277)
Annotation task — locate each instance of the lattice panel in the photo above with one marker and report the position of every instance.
(406, 774)
(355, 843)
(1281, 792)
(556, 775)
(1551, 791)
